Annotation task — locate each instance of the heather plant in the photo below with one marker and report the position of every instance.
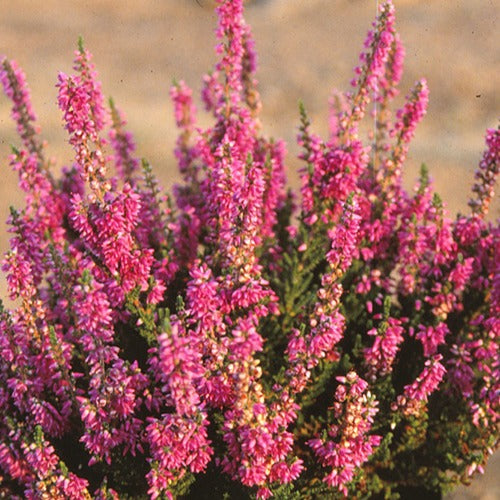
(236, 339)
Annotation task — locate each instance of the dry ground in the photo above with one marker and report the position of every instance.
(306, 48)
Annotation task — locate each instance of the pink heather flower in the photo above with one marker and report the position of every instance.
(475, 368)
(75, 103)
(184, 109)
(378, 44)
(429, 255)
(81, 101)
(258, 442)
(381, 355)
(36, 182)
(15, 87)
(467, 230)
(246, 340)
(107, 231)
(157, 227)
(19, 277)
(236, 194)
(388, 83)
(105, 493)
(40, 457)
(344, 238)
(313, 154)
(211, 93)
(249, 66)
(326, 328)
(177, 444)
(494, 267)
(416, 239)
(156, 293)
(331, 176)
(473, 468)
(283, 472)
(326, 334)
(348, 444)
(445, 248)
(425, 384)
(412, 113)
(40, 354)
(41, 217)
(337, 106)
(326, 323)
(180, 368)
(235, 180)
(186, 153)
(223, 192)
(432, 337)
(12, 460)
(272, 157)
(264, 493)
(47, 476)
(459, 370)
(461, 273)
(101, 266)
(125, 162)
(85, 68)
(486, 174)
(109, 413)
(114, 385)
(204, 300)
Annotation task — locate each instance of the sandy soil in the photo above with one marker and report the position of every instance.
(306, 48)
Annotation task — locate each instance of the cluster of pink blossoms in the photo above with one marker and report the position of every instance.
(165, 346)
(350, 443)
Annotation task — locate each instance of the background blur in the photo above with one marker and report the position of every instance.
(305, 47)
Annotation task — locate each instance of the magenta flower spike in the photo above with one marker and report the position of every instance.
(486, 174)
(16, 89)
(123, 144)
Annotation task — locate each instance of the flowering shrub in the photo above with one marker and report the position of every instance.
(237, 340)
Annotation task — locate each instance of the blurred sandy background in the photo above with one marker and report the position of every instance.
(306, 48)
